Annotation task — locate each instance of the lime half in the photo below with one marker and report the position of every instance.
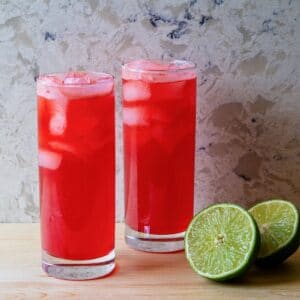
(278, 223)
(222, 241)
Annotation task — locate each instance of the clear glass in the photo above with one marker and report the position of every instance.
(159, 111)
(76, 142)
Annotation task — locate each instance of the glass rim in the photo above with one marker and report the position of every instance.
(103, 77)
(138, 69)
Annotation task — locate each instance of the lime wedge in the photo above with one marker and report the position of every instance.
(222, 241)
(278, 222)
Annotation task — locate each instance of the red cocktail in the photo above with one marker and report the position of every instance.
(159, 140)
(77, 173)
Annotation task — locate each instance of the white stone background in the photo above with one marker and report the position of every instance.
(248, 57)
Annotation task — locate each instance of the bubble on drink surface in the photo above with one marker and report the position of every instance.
(135, 116)
(136, 91)
(49, 159)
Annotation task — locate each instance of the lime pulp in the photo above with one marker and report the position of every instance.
(222, 241)
(278, 222)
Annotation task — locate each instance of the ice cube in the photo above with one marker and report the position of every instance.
(51, 79)
(106, 87)
(86, 85)
(136, 91)
(58, 123)
(50, 92)
(98, 89)
(63, 147)
(48, 87)
(135, 116)
(77, 78)
(49, 159)
(158, 71)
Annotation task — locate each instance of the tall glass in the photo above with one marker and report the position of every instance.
(159, 109)
(76, 135)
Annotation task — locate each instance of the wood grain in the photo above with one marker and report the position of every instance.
(138, 275)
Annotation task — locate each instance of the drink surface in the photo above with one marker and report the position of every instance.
(76, 164)
(159, 141)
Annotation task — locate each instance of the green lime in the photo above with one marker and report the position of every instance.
(278, 222)
(222, 241)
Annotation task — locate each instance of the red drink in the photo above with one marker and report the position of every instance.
(159, 140)
(76, 168)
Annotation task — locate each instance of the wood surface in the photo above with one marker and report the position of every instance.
(138, 275)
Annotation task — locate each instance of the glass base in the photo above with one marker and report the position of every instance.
(78, 269)
(154, 242)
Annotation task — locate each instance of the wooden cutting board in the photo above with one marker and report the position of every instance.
(138, 275)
